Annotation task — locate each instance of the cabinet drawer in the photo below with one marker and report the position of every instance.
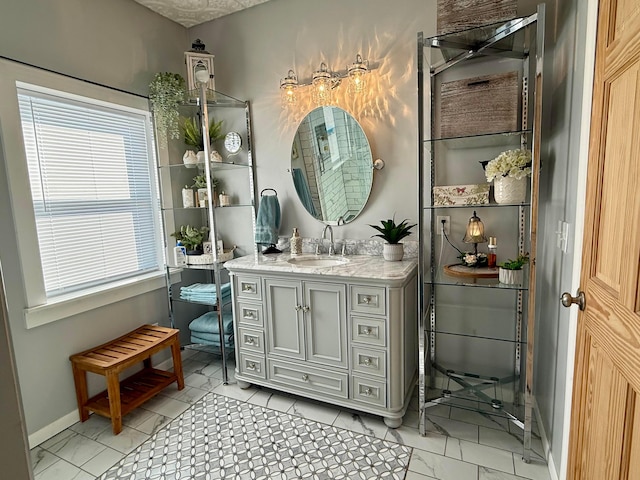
(248, 287)
(368, 390)
(371, 331)
(368, 300)
(369, 362)
(250, 314)
(250, 340)
(308, 378)
(252, 365)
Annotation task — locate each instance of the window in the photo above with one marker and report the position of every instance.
(94, 190)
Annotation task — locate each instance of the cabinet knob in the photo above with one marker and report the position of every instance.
(249, 314)
(305, 308)
(305, 378)
(368, 391)
(366, 361)
(247, 288)
(249, 340)
(366, 299)
(298, 308)
(367, 330)
(251, 366)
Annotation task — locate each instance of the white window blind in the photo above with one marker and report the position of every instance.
(92, 177)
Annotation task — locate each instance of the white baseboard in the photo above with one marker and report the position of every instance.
(53, 428)
(546, 446)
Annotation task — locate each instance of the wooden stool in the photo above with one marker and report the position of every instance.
(112, 358)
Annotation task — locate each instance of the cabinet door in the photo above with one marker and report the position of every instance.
(326, 323)
(284, 317)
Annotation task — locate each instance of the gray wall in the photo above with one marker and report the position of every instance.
(121, 44)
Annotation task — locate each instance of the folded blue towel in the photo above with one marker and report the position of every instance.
(208, 323)
(268, 220)
(211, 339)
(205, 293)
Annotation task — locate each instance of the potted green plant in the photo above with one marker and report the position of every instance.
(392, 233)
(510, 272)
(191, 238)
(166, 93)
(200, 183)
(193, 133)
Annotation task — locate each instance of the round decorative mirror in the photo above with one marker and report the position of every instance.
(331, 165)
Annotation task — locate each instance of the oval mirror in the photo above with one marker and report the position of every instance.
(331, 165)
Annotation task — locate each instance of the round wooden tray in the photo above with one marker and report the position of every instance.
(459, 270)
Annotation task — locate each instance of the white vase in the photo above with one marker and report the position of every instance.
(190, 159)
(511, 277)
(509, 189)
(393, 252)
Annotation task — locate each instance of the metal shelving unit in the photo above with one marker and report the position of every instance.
(462, 342)
(173, 174)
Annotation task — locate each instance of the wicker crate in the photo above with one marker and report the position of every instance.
(456, 15)
(479, 105)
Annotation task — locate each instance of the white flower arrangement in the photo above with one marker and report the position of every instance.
(512, 163)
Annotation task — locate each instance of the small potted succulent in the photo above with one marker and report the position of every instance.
(392, 233)
(166, 94)
(200, 184)
(510, 272)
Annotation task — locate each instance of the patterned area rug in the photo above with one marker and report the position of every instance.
(223, 438)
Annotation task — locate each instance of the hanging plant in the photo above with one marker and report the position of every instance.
(166, 93)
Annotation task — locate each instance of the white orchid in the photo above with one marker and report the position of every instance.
(512, 163)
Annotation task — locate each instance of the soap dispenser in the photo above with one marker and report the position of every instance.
(295, 242)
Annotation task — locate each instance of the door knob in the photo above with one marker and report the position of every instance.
(579, 299)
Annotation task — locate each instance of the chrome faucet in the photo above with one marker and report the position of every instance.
(324, 236)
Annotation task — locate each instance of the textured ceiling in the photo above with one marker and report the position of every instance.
(194, 12)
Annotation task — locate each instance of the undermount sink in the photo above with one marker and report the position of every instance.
(317, 262)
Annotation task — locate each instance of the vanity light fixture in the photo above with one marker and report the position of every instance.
(288, 87)
(357, 72)
(324, 81)
(475, 232)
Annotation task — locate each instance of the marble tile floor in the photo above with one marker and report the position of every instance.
(461, 444)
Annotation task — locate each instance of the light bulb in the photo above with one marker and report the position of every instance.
(201, 74)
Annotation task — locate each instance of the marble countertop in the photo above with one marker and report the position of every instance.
(369, 267)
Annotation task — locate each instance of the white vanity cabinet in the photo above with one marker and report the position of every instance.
(344, 339)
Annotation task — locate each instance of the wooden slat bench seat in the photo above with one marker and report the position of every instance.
(112, 358)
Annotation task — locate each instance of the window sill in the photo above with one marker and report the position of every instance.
(65, 306)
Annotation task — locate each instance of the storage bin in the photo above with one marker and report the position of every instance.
(480, 105)
(456, 15)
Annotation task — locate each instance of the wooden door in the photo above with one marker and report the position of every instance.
(326, 323)
(605, 422)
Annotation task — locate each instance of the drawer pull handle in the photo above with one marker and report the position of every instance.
(305, 378)
(251, 366)
(305, 308)
(368, 392)
(298, 308)
(367, 330)
(366, 361)
(247, 287)
(249, 340)
(366, 299)
(249, 314)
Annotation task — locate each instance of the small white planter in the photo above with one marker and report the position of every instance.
(509, 190)
(393, 252)
(190, 159)
(511, 277)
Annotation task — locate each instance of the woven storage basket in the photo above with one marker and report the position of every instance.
(479, 105)
(456, 15)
